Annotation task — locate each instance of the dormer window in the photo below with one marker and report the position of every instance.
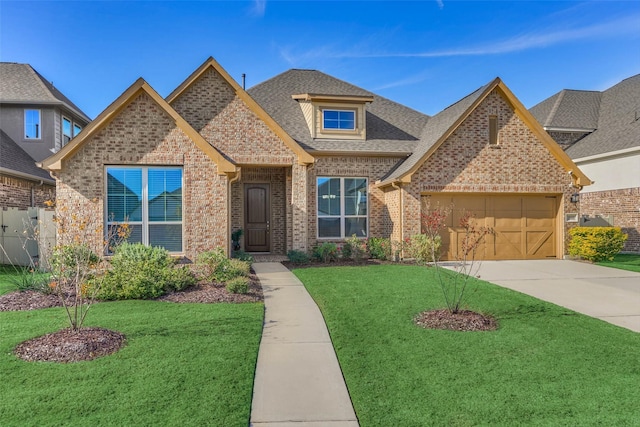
(335, 116)
(338, 119)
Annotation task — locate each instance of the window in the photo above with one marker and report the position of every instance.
(338, 119)
(149, 199)
(76, 129)
(32, 124)
(493, 130)
(342, 207)
(66, 131)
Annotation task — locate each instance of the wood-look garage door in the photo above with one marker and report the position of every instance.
(524, 226)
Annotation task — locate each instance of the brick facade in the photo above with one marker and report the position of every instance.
(467, 163)
(622, 205)
(142, 134)
(22, 193)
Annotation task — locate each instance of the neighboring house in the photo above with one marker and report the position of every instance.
(305, 158)
(36, 120)
(600, 131)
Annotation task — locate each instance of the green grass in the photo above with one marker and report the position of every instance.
(629, 262)
(544, 366)
(183, 365)
(7, 273)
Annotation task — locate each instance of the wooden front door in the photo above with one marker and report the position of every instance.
(257, 218)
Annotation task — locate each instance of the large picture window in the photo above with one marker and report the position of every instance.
(342, 207)
(149, 199)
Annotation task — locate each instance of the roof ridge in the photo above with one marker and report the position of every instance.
(40, 80)
(556, 106)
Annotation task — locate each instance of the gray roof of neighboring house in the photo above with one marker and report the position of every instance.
(15, 159)
(20, 83)
(574, 109)
(618, 118)
(435, 129)
(391, 127)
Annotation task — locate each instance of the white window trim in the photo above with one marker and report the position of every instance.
(25, 124)
(342, 216)
(62, 129)
(145, 203)
(73, 129)
(336, 130)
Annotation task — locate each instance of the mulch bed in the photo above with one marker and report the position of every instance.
(208, 293)
(67, 346)
(28, 300)
(464, 320)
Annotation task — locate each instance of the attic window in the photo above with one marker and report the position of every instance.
(493, 129)
(338, 119)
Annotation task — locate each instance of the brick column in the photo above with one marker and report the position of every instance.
(299, 214)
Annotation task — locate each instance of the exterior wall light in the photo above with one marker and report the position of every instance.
(575, 198)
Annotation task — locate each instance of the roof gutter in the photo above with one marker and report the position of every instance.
(607, 155)
(27, 176)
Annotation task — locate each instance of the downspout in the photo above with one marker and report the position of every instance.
(399, 188)
(233, 180)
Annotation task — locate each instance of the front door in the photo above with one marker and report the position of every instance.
(257, 218)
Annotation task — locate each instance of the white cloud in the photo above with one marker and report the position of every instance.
(518, 43)
(440, 4)
(258, 8)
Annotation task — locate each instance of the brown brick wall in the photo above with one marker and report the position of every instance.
(22, 193)
(211, 106)
(567, 139)
(467, 163)
(622, 205)
(373, 168)
(276, 178)
(142, 134)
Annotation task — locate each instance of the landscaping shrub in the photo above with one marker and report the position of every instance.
(219, 268)
(379, 248)
(142, 272)
(298, 257)
(238, 285)
(28, 279)
(420, 247)
(242, 256)
(326, 252)
(356, 249)
(596, 243)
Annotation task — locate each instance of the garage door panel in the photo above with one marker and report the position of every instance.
(524, 225)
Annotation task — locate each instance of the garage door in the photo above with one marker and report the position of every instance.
(524, 226)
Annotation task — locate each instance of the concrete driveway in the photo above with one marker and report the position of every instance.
(606, 293)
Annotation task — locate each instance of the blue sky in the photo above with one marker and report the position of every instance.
(424, 54)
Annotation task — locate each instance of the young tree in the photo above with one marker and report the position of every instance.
(455, 282)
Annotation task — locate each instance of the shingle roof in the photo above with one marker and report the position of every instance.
(14, 158)
(618, 124)
(435, 129)
(571, 109)
(391, 127)
(20, 83)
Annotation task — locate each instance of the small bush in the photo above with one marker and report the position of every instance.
(219, 268)
(242, 256)
(326, 252)
(142, 272)
(298, 257)
(596, 243)
(357, 248)
(27, 279)
(238, 285)
(420, 247)
(379, 248)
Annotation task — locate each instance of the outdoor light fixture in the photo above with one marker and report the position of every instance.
(575, 198)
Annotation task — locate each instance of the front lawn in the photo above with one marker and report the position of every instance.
(545, 365)
(183, 364)
(629, 262)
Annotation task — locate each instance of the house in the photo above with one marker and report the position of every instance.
(36, 120)
(305, 158)
(600, 131)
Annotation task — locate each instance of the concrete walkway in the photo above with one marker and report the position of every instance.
(298, 379)
(608, 294)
